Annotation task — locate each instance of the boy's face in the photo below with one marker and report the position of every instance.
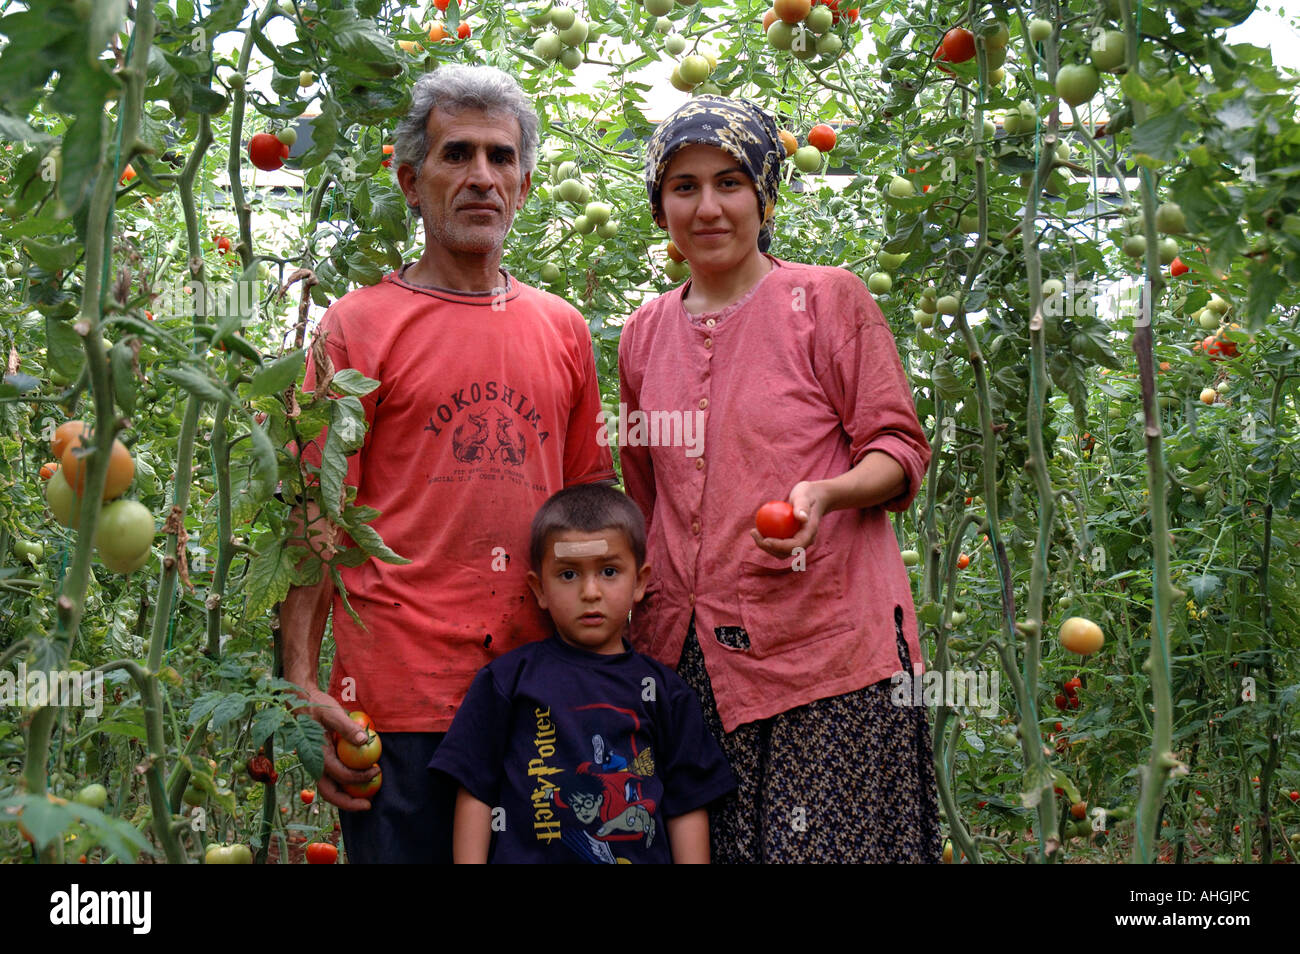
(588, 583)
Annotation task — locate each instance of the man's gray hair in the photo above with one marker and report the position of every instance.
(455, 88)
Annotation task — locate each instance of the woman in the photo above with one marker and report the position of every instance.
(792, 374)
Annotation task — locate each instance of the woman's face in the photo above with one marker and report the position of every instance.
(710, 208)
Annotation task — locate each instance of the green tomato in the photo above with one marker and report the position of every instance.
(567, 170)
(306, 78)
(820, 19)
(570, 190)
(879, 283)
(562, 17)
(549, 273)
(1170, 219)
(900, 188)
(947, 305)
(677, 271)
(548, 46)
(658, 8)
(29, 551)
(830, 44)
(576, 33)
(808, 158)
(890, 261)
(1040, 30)
(235, 80)
(583, 226)
(780, 35)
(571, 57)
(1135, 246)
(1108, 50)
(63, 500)
(14, 269)
(911, 558)
(675, 44)
(958, 617)
(597, 213)
(124, 535)
(1168, 250)
(288, 135)
(95, 795)
(694, 69)
(608, 229)
(194, 797)
(1077, 83)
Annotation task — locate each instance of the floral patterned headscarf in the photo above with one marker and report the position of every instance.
(738, 128)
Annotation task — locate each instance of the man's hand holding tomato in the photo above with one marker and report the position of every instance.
(308, 606)
(877, 479)
(326, 710)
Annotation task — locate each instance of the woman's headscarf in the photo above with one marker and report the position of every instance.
(739, 128)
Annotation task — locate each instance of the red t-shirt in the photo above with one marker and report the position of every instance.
(487, 405)
(798, 380)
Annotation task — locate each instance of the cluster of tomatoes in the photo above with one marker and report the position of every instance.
(124, 535)
(805, 28)
(361, 757)
(1068, 698)
(821, 140)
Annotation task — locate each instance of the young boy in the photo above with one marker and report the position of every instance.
(577, 749)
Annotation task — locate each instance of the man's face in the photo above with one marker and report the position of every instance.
(471, 182)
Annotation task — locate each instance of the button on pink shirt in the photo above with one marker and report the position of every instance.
(798, 380)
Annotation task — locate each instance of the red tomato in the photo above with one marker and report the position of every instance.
(223, 243)
(463, 31)
(388, 153)
(963, 561)
(958, 45)
(776, 520)
(1073, 686)
(48, 470)
(851, 14)
(267, 152)
(1060, 704)
(823, 137)
(1059, 728)
(307, 796)
(322, 853)
(442, 5)
(1176, 268)
(127, 174)
(365, 789)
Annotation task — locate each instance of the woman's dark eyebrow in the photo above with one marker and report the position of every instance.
(723, 172)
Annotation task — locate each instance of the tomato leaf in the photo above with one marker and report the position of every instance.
(368, 539)
(352, 381)
(278, 375)
(266, 721)
(269, 575)
(199, 384)
(265, 469)
(305, 736)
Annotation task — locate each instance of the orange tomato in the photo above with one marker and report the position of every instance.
(788, 140)
(65, 434)
(963, 561)
(437, 33)
(121, 470)
(48, 470)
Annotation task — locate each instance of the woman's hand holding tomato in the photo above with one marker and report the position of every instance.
(808, 499)
(326, 710)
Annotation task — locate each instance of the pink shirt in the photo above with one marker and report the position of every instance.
(486, 406)
(798, 380)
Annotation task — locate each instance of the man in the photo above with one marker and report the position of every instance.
(487, 405)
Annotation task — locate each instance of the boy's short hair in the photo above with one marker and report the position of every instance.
(588, 508)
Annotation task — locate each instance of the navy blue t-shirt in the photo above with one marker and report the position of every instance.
(582, 757)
